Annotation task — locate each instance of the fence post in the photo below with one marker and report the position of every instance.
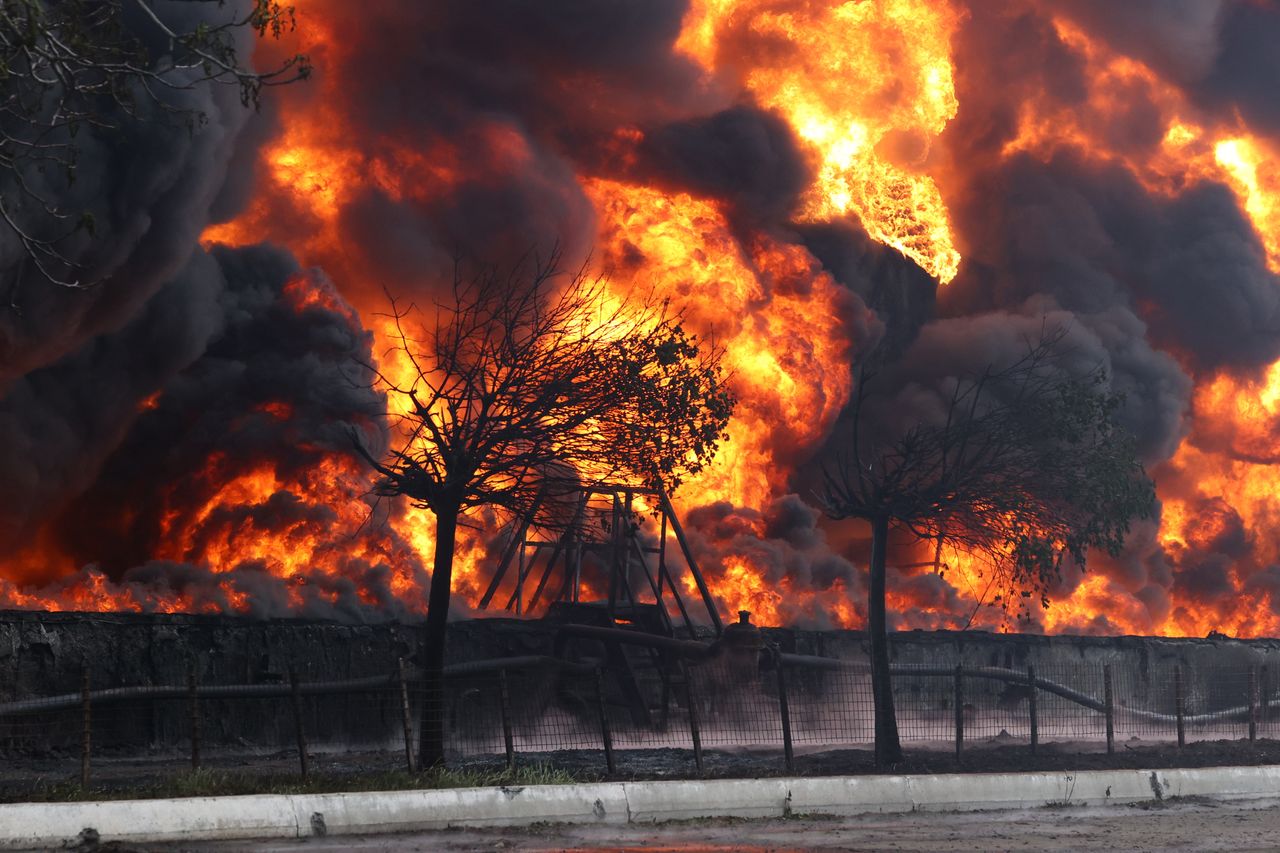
(1264, 688)
(604, 725)
(1032, 709)
(1109, 699)
(1179, 704)
(194, 709)
(406, 716)
(959, 703)
(86, 734)
(784, 707)
(1253, 703)
(504, 703)
(694, 731)
(296, 698)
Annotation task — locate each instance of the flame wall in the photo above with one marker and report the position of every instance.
(805, 179)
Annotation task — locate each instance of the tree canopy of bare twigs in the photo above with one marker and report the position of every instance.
(1025, 466)
(69, 67)
(532, 383)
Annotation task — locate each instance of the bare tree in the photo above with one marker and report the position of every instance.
(72, 66)
(1026, 467)
(521, 377)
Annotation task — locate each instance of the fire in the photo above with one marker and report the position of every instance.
(1251, 170)
(869, 91)
(745, 584)
(1221, 498)
(867, 87)
(1190, 150)
(770, 307)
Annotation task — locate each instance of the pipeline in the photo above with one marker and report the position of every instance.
(276, 690)
(1012, 676)
(692, 650)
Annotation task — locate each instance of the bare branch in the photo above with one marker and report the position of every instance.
(1025, 467)
(72, 66)
(534, 386)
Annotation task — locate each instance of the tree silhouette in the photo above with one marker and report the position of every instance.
(1023, 464)
(535, 383)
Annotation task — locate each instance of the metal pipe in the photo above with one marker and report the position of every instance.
(1014, 677)
(276, 690)
(690, 649)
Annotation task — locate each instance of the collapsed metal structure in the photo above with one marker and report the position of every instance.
(604, 576)
(603, 542)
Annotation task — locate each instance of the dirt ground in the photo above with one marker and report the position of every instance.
(1181, 826)
(22, 778)
(991, 756)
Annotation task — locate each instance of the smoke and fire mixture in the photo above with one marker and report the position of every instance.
(808, 183)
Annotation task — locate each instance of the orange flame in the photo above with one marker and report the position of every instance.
(868, 91)
(867, 87)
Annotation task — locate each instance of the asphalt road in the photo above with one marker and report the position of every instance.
(1183, 826)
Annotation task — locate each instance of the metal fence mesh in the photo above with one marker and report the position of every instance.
(537, 709)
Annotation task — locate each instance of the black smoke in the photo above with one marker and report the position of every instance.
(111, 396)
(147, 179)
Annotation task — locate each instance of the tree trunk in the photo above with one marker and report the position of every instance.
(431, 737)
(888, 749)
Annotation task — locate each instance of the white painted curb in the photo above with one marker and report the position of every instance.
(26, 825)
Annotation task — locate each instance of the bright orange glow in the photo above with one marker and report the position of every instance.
(770, 307)
(1190, 149)
(1252, 172)
(867, 87)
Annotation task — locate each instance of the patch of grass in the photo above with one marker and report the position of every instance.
(224, 783)
(1170, 802)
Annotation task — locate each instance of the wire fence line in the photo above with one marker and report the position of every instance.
(533, 707)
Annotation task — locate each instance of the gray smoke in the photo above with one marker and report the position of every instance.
(148, 182)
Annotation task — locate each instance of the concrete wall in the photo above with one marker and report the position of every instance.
(1215, 670)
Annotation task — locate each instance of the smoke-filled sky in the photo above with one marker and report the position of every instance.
(806, 180)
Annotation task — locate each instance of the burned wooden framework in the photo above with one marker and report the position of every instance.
(604, 531)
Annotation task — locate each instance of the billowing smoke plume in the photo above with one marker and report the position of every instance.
(1095, 166)
(145, 178)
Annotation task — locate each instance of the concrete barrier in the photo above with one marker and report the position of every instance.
(401, 811)
(25, 825)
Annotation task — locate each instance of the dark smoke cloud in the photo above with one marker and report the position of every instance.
(414, 241)
(1246, 73)
(59, 423)
(1141, 563)
(1156, 281)
(1094, 239)
(915, 388)
(742, 155)
(792, 546)
(899, 294)
(515, 92)
(527, 99)
(254, 592)
(148, 184)
(928, 593)
(1088, 234)
(1267, 581)
(1178, 38)
(269, 353)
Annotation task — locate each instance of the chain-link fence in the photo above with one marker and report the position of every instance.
(609, 716)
